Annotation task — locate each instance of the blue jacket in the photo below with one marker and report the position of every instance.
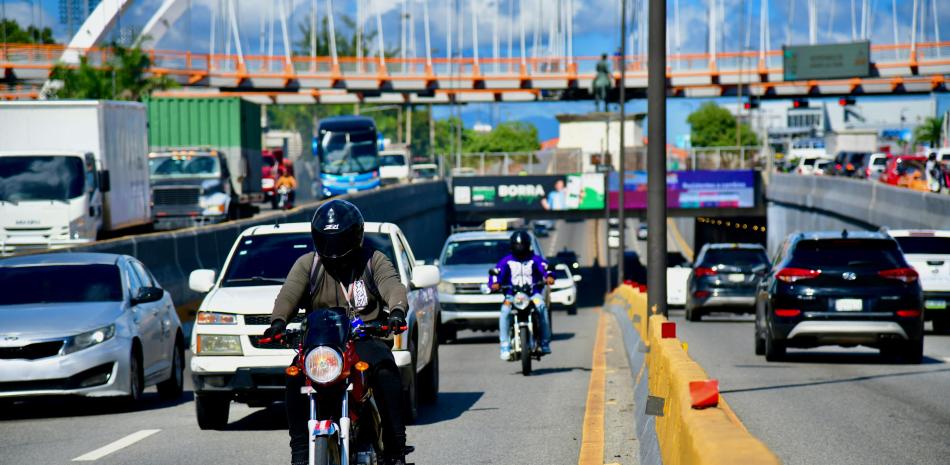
(512, 272)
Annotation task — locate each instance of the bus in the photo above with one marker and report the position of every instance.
(347, 153)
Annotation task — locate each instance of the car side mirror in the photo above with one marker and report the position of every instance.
(577, 278)
(425, 276)
(148, 294)
(201, 280)
(104, 183)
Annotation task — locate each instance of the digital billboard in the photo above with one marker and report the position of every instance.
(579, 191)
(689, 189)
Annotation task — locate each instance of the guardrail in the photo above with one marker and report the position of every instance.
(681, 417)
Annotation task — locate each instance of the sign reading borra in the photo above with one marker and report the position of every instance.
(582, 191)
(834, 61)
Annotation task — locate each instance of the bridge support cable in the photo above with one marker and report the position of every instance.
(524, 56)
(913, 32)
(936, 17)
(332, 33)
(494, 35)
(713, 39)
(282, 7)
(812, 22)
(379, 38)
(474, 15)
(425, 19)
(764, 33)
(313, 35)
(403, 32)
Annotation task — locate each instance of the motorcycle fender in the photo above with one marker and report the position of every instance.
(322, 427)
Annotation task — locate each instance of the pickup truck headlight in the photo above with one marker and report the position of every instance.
(446, 287)
(218, 344)
(77, 227)
(214, 318)
(89, 339)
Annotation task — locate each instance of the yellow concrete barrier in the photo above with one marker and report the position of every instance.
(687, 436)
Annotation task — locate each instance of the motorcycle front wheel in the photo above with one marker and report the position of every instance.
(525, 351)
(321, 451)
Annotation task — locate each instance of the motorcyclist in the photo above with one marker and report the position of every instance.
(522, 267)
(351, 275)
(932, 172)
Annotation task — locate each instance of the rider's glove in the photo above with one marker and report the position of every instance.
(397, 320)
(550, 280)
(275, 331)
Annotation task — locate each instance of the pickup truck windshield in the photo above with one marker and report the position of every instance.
(59, 284)
(392, 160)
(476, 252)
(42, 177)
(184, 166)
(266, 259)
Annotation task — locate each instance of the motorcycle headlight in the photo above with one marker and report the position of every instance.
(521, 300)
(323, 364)
(89, 339)
(446, 287)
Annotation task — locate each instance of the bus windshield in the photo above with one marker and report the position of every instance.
(348, 151)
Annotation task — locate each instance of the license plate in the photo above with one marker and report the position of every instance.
(849, 305)
(736, 277)
(935, 304)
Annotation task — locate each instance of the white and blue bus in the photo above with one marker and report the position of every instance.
(347, 152)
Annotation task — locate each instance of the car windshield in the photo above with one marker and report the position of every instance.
(809, 161)
(43, 178)
(880, 161)
(426, 172)
(857, 158)
(734, 257)
(925, 245)
(184, 166)
(475, 252)
(266, 259)
(561, 273)
(59, 284)
(847, 253)
(392, 160)
(349, 152)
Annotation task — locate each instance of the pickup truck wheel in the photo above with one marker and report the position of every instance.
(173, 387)
(572, 310)
(212, 410)
(410, 402)
(447, 334)
(429, 378)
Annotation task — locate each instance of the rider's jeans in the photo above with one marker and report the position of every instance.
(504, 321)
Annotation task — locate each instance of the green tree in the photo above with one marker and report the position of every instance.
(513, 136)
(123, 77)
(929, 131)
(12, 33)
(713, 126)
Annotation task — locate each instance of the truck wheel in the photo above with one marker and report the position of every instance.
(212, 410)
(172, 388)
(429, 378)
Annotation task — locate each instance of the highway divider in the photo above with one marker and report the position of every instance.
(681, 418)
(420, 210)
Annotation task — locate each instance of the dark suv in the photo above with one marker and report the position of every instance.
(724, 278)
(844, 288)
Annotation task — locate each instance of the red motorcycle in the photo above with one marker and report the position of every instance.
(345, 426)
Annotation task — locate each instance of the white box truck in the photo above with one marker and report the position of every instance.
(71, 170)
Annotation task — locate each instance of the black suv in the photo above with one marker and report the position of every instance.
(724, 278)
(844, 288)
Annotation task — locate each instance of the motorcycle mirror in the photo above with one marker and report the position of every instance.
(493, 271)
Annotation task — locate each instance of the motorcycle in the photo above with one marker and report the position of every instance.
(345, 424)
(939, 179)
(283, 198)
(524, 334)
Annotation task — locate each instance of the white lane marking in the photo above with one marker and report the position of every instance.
(115, 446)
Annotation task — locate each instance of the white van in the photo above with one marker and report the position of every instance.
(394, 166)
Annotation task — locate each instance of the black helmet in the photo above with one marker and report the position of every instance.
(337, 229)
(521, 245)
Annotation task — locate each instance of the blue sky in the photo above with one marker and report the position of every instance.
(595, 30)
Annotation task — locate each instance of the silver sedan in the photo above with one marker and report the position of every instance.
(86, 324)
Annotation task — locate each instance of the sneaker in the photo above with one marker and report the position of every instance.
(545, 350)
(505, 353)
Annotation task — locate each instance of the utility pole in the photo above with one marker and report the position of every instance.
(623, 116)
(656, 160)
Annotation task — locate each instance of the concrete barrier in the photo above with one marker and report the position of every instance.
(420, 210)
(683, 434)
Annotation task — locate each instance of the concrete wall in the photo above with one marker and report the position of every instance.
(810, 203)
(420, 210)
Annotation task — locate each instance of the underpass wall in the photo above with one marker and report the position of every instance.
(809, 203)
(420, 210)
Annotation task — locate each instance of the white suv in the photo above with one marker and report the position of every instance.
(929, 253)
(229, 362)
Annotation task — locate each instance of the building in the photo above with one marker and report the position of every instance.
(594, 134)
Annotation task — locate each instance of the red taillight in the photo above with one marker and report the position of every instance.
(837, 166)
(701, 294)
(908, 313)
(791, 275)
(907, 275)
(787, 312)
(867, 172)
(702, 271)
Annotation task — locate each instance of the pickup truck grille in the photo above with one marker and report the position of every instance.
(264, 319)
(31, 351)
(176, 196)
(468, 288)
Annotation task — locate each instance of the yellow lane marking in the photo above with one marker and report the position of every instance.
(680, 242)
(592, 442)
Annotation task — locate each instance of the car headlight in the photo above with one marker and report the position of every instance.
(89, 339)
(214, 318)
(521, 300)
(213, 204)
(323, 364)
(446, 287)
(77, 227)
(218, 344)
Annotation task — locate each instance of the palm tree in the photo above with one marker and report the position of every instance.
(929, 131)
(123, 77)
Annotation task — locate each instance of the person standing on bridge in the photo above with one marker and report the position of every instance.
(342, 272)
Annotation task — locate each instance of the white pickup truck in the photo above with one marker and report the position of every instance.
(230, 363)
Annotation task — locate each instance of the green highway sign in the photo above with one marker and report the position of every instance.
(835, 61)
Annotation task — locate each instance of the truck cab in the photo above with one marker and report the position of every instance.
(190, 188)
(49, 199)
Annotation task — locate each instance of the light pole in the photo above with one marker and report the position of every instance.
(623, 116)
(656, 160)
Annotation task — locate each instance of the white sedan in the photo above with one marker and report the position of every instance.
(564, 290)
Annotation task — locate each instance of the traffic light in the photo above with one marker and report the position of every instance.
(751, 104)
(800, 103)
(845, 101)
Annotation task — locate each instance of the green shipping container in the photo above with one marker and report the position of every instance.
(229, 124)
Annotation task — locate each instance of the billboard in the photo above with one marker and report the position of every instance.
(689, 189)
(833, 61)
(579, 191)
